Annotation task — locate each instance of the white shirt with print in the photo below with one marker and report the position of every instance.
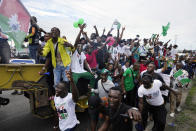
(153, 95)
(114, 52)
(77, 62)
(165, 77)
(66, 112)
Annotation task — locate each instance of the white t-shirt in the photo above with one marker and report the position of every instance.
(153, 95)
(143, 51)
(77, 62)
(124, 68)
(107, 85)
(66, 112)
(127, 50)
(114, 52)
(165, 77)
(173, 53)
(121, 50)
(161, 50)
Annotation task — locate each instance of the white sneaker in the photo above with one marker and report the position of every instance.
(179, 109)
(171, 114)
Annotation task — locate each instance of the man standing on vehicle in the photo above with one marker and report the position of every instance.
(60, 52)
(33, 38)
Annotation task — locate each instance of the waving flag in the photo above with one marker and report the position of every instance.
(14, 20)
(182, 77)
(165, 29)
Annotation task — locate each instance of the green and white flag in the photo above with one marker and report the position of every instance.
(182, 77)
(178, 73)
(185, 81)
(14, 20)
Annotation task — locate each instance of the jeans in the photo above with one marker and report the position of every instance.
(59, 72)
(33, 52)
(5, 52)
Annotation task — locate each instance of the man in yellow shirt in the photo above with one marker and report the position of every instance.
(60, 52)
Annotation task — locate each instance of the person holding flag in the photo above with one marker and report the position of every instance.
(179, 79)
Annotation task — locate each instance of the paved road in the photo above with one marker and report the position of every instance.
(16, 116)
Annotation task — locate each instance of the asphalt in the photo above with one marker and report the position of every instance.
(16, 116)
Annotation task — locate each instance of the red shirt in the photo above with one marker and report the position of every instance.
(91, 59)
(142, 67)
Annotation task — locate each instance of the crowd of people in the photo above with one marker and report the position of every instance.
(128, 79)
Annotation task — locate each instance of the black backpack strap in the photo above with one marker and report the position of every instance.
(104, 88)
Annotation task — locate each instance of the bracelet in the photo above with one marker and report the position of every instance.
(55, 127)
(134, 108)
(43, 68)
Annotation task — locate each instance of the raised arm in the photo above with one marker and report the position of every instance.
(86, 36)
(118, 33)
(165, 65)
(121, 35)
(79, 34)
(75, 93)
(97, 33)
(67, 44)
(103, 31)
(104, 45)
(167, 41)
(41, 30)
(109, 32)
(156, 40)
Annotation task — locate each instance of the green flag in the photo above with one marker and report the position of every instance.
(185, 81)
(165, 29)
(178, 73)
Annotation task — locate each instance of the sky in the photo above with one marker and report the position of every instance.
(143, 17)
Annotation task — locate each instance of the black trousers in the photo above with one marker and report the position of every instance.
(130, 98)
(159, 114)
(5, 52)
